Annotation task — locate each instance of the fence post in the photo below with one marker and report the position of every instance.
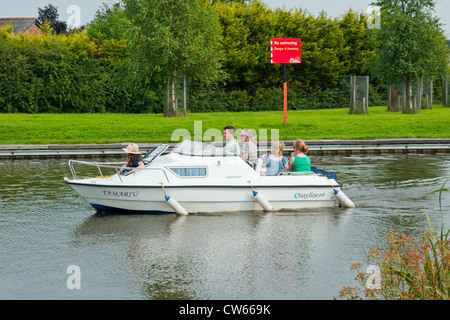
(445, 89)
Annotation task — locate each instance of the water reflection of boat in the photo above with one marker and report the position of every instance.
(195, 177)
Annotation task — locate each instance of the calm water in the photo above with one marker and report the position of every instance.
(45, 227)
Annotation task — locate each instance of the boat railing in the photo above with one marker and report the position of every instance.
(111, 165)
(116, 166)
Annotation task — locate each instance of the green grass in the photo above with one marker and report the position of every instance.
(141, 128)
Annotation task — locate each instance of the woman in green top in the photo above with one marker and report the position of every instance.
(299, 161)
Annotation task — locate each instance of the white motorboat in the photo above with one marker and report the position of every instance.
(195, 178)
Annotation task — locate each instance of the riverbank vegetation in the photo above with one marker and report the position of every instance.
(408, 269)
(100, 68)
(73, 128)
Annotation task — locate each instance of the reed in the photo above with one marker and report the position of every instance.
(409, 270)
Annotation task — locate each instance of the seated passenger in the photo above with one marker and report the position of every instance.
(249, 151)
(231, 146)
(134, 160)
(275, 161)
(299, 161)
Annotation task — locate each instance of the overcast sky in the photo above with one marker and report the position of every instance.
(85, 9)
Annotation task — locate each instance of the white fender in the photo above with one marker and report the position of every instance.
(262, 201)
(175, 205)
(341, 197)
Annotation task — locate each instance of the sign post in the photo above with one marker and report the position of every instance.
(285, 50)
(285, 95)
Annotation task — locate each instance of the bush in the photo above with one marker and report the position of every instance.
(68, 74)
(219, 99)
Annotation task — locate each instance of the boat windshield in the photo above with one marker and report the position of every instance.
(198, 148)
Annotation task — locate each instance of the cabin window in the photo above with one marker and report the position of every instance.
(189, 172)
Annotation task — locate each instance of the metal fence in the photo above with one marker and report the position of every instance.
(445, 90)
(176, 96)
(427, 94)
(359, 94)
(395, 97)
(410, 97)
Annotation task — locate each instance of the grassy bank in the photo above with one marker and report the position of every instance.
(307, 124)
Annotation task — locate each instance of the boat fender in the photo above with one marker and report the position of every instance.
(175, 205)
(262, 201)
(341, 197)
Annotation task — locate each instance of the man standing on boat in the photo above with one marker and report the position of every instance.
(231, 146)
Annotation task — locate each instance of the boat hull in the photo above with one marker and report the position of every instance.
(188, 180)
(207, 198)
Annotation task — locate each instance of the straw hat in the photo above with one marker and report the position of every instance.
(132, 148)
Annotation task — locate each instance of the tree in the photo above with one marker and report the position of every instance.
(50, 14)
(411, 44)
(357, 47)
(246, 33)
(109, 32)
(170, 38)
(109, 23)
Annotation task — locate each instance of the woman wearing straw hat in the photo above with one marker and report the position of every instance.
(134, 159)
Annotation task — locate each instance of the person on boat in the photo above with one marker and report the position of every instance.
(249, 151)
(275, 161)
(299, 161)
(231, 146)
(134, 160)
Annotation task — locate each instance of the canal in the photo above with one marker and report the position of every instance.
(45, 228)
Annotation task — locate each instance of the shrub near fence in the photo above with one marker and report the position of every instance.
(219, 99)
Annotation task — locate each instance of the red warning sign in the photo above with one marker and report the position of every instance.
(285, 50)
